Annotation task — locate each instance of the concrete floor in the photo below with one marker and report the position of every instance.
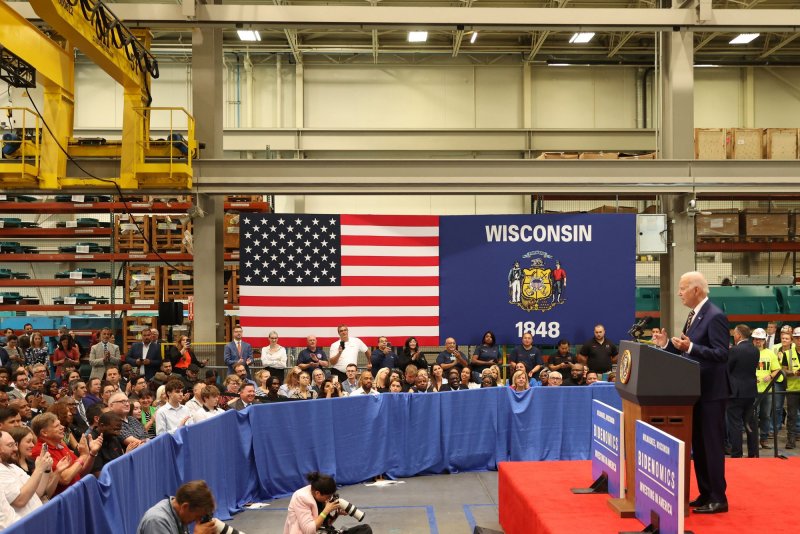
(440, 504)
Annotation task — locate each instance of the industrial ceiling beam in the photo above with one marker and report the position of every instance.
(488, 176)
(621, 19)
(778, 46)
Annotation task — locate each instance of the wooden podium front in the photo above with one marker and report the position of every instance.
(659, 388)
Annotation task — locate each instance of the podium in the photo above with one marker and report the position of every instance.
(659, 388)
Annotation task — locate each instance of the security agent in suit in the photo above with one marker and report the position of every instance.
(742, 364)
(705, 339)
(145, 355)
(103, 355)
(238, 351)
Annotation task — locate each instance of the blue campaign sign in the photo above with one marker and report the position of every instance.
(659, 478)
(607, 452)
(553, 275)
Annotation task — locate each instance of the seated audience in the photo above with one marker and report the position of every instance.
(210, 399)
(454, 381)
(351, 382)
(410, 376)
(577, 376)
(261, 378)
(488, 381)
(110, 426)
(437, 381)
(241, 371)
(303, 391)
(24, 409)
(20, 493)
(274, 385)
(21, 381)
(67, 420)
(364, 386)
(591, 378)
(5, 380)
(247, 396)
(131, 429)
(49, 431)
(92, 395)
(173, 415)
(519, 381)
(231, 387)
(9, 418)
(292, 381)
(318, 380)
(422, 384)
(196, 402)
(26, 441)
(148, 417)
(395, 386)
(554, 378)
(329, 389)
(382, 379)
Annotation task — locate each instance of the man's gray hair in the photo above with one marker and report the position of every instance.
(698, 280)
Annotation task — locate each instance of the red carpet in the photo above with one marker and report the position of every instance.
(536, 497)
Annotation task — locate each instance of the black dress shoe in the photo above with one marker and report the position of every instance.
(712, 508)
(700, 501)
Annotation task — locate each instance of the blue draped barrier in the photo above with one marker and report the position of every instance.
(264, 452)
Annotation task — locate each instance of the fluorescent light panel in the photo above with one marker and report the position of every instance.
(417, 37)
(744, 38)
(249, 35)
(581, 37)
(473, 38)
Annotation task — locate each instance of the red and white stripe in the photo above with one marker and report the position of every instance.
(389, 287)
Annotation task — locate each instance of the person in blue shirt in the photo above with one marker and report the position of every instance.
(526, 354)
(486, 354)
(383, 356)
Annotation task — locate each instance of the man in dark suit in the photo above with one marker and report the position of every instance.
(145, 355)
(247, 396)
(773, 337)
(705, 339)
(742, 364)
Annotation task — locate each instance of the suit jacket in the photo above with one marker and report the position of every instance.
(302, 513)
(232, 355)
(709, 335)
(238, 405)
(742, 364)
(153, 354)
(96, 355)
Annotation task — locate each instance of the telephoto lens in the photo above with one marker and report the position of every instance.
(351, 510)
(222, 528)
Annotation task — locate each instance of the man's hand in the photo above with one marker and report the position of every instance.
(681, 343)
(62, 464)
(660, 337)
(132, 445)
(205, 528)
(43, 462)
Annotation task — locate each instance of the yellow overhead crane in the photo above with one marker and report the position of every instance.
(32, 152)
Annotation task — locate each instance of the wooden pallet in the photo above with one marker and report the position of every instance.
(710, 143)
(142, 284)
(167, 234)
(128, 233)
(232, 285)
(717, 239)
(747, 143)
(176, 285)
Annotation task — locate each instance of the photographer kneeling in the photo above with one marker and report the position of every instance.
(192, 503)
(315, 507)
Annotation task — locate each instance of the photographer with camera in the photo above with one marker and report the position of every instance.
(315, 507)
(192, 503)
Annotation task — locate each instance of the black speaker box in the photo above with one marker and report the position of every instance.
(170, 313)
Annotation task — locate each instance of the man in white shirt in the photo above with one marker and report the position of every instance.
(345, 352)
(196, 402)
(172, 415)
(366, 386)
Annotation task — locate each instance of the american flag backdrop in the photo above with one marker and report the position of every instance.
(303, 274)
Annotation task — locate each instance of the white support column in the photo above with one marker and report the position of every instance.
(677, 110)
(208, 265)
(299, 96)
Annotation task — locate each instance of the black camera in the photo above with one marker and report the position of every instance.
(348, 508)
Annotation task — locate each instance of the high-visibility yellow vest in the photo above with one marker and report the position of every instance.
(793, 365)
(767, 364)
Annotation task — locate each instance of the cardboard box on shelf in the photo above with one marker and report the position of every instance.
(774, 224)
(720, 224)
(599, 155)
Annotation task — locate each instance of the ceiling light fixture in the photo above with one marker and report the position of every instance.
(581, 37)
(473, 38)
(249, 35)
(417, 37)
(744, 38)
